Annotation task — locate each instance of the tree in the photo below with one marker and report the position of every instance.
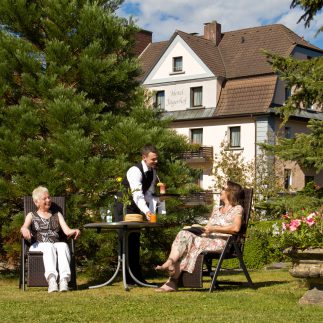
(311, 8)
(72, 116)
(230, 165)
(306, 80)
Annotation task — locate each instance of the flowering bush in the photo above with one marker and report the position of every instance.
(300, 230)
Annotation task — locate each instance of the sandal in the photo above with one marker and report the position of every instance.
(168, 289)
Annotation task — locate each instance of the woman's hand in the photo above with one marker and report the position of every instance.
(209, 229)
(26, 233)
(75, 232)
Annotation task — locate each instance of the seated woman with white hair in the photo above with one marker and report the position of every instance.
(42, 229)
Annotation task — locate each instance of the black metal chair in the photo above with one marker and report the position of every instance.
(31, 262)
(233, 249)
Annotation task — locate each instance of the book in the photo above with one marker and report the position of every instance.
(195, 228)
(198, 230)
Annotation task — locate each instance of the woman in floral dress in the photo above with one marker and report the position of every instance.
(187, 246)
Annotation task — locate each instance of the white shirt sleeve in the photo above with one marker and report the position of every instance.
(134, 177)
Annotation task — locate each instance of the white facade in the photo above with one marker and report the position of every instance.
(214, 133)
(193, 67)
(176, 87)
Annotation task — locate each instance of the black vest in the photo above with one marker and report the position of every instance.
(147, 179)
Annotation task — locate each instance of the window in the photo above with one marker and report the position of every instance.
(234, 137)
(197, 136)
(288, 133)
(178, 64)
(196, 96)
(160, 100)
(287, 93)
(287, 178)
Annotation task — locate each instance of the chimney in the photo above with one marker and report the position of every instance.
(212, 31)
(142, 39)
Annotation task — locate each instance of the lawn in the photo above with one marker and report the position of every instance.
(274, 300)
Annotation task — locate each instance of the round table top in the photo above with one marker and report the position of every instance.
(122, 225)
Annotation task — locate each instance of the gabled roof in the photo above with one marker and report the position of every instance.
(242, 49)
(246, 96)
(239, 53)
(206, 50)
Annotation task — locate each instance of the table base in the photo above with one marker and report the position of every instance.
(123, 265)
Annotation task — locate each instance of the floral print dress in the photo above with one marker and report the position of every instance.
(189, 245)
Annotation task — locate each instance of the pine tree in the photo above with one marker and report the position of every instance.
(72, 116)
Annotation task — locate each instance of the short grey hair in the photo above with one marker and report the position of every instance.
(38, 191)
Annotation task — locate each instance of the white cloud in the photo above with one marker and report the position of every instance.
(290, 20)
(163, 17)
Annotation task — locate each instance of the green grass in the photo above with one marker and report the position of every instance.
(274, 300)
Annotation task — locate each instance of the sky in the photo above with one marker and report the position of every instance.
(163, 17)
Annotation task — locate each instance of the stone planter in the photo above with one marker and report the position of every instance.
(308, 264)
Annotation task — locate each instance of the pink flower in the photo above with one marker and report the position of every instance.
(294, 224)
(310, 219)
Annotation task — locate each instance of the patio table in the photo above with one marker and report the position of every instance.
(125, 228)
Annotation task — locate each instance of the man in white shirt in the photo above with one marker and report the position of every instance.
(141, 179)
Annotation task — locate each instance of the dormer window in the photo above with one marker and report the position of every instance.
(177, 64)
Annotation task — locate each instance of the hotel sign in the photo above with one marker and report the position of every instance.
(177, 98)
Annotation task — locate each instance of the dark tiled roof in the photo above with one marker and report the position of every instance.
(242, 49)
(150, 56)
(246, 96)
(250, 82)
(206, 50)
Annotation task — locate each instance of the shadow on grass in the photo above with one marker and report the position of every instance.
(238, 286)
(97, 281)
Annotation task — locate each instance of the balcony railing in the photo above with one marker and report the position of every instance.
(203, 153)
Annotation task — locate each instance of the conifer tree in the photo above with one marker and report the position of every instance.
(306, 79)
(72, 116)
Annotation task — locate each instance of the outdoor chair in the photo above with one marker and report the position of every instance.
(31, 262)
(233, 249)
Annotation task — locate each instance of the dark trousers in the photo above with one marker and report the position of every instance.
(133, 244)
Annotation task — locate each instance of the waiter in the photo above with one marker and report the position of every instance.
(141, 179)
